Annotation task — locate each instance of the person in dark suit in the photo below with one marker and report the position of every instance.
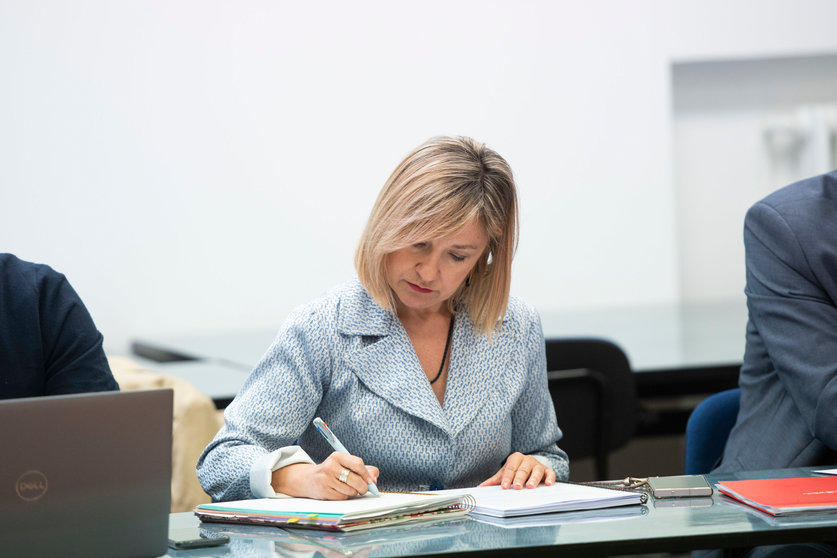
(48, 342)
(788, 414)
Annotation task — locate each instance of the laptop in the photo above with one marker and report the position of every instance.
(86, 474)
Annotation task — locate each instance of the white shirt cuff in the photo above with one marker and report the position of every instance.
(261, 471)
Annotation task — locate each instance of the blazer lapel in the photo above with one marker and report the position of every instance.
(390, 368)
(386, 362)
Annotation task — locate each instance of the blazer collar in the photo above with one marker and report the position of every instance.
(359, 314)
(390, 368)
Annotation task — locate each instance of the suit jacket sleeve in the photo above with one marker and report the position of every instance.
(795, 317)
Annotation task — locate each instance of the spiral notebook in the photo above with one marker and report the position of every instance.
(365, 512)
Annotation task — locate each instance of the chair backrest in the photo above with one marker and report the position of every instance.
(708, 429)
(594, 393)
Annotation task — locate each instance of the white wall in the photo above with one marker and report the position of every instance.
(195, 166)
(742, 129)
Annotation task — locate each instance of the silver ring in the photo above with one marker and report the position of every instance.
(344, 475)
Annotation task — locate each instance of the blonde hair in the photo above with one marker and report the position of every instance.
(436, 191)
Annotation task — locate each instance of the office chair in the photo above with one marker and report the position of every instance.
(594, 393)
(708, 428)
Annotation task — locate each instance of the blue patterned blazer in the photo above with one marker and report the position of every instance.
(344, 358)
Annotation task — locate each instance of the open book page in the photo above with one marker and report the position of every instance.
(494, 501)
(365, 503)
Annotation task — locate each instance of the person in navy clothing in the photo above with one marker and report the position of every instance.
(49, 344)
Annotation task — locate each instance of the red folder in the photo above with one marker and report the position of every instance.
(785, 496)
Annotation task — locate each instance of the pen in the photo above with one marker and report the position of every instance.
(323, 428)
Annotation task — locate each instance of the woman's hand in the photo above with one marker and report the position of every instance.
(521, 470)
(322, 481)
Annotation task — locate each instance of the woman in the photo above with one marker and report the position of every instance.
(423, 366)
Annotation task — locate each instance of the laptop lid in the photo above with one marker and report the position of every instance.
(86, 474)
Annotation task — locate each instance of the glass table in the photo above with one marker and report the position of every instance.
(663, 525)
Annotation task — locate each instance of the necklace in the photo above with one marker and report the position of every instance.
(445, 355)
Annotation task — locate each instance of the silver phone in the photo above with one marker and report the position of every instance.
(679, 486)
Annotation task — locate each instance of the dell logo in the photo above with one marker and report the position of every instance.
(31, 486)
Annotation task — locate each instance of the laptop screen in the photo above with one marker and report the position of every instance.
(86, 474)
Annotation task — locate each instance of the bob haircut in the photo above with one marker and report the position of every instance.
(436, 191)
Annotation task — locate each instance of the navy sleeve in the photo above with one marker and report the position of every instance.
(74, 359)
(49, 344)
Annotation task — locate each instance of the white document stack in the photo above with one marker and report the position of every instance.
(560, 497)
